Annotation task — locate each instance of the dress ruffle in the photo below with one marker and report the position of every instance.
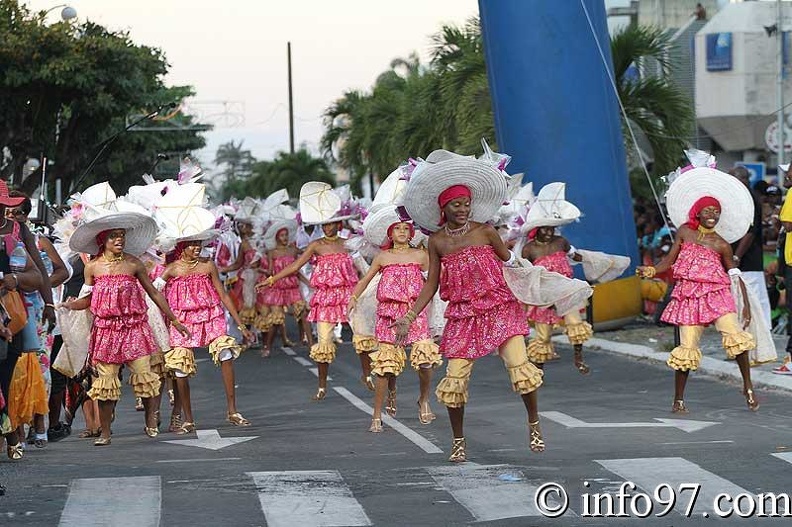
(181, 359)
(157, 364)
(196, 303)
(262, 321)
(388, 359)
(737, 343)
(277, 316)
(579, 333)
(538, 351)
(333, 279)
(364, 343)
(145, 385)
(525, 377)
(452, 392)
(426, 354)
(221, 343)
(323, 352)
(106, 388)
(684, 359)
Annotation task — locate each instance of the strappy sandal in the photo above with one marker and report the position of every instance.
(186, 428)
(321, 393)
(236, 419)
(171, 397)
(265, 352)
(102, 441)
(426, 417)
(679, 407)
(175, 423)
(537, 443)
(753, 403)
(458, 454)
(581, 366)
(139, 404)
(15, 452)
(85, 434)
(376, 426)
(390, 405)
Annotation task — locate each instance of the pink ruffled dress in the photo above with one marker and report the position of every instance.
(284, 292)
(482, 311)
(399, 286)
(195, 302)
(333, 280)
(120, 331)
(702, 292)
(557, 263)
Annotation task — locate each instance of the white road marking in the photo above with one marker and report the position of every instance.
(210, 440)
(487, 497)
(310, 498)
(198, 460)
(650, 472)
(422, 443)
(120, 502)
(288, 351)
(303, 361)
(784, 456)
(686, 425)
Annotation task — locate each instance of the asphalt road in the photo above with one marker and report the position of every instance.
(306, 463)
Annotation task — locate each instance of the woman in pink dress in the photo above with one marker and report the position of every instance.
(551, 251)
(246, 261)
(285, 294)
(333, 279)
(401, 267)
(466, 260)
(120, 333)
(197, 296)
(702, 263)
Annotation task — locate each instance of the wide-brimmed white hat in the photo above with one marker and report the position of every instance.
(443, 169)
(276, 226)
(181, 216)
(550, 209)
(737, 206)
(141, 229)
(377, 223)
(319, 204)
(391, 190)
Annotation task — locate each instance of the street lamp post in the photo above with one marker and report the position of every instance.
(780, 86)
(68, 12)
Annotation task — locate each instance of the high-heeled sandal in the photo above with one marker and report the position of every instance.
(368, 382)
(425, 417)
(102, 441)
(679, 407)
(265, 352)
(537, 444)
(186, 428)
(90, 433)
(139, 404)
(581, 366)
(458, 454)
(321, 393)
(236, 419)
(390, 405)
(15, 452)
(175, 423)
(376, 426)
(753, 403)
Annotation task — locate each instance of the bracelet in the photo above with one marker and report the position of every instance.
(411, 316)
(354, 298)
(241, 327)
(50, 305)
(648, 272)
(16, 281)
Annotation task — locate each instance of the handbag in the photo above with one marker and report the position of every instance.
(15, 315)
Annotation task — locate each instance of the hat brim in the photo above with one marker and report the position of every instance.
(331, 220)
(275, 228)
(209, 234)
(487, 186)
(11, 202)
(140, 232)
(530, 225)
(737, 206)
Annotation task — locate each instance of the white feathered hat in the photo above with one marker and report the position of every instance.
(320, 204)
(550, 209)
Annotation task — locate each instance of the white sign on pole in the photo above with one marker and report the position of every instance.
(771, 138)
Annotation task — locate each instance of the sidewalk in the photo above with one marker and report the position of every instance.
(645, 340)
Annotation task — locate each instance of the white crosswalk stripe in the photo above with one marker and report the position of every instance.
(489, 492)
(649, 473)
(120, 502)
(309, 498)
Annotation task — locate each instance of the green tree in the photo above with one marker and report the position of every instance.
(66, 88)
(662, 114)
(236, 162)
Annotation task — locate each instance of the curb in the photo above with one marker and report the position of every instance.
(708, 365)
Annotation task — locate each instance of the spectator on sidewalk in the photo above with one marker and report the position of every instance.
(785, 258)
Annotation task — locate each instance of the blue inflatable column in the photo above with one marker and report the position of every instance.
(556, 112)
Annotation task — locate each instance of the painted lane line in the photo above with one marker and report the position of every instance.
(784, 456)
(686, 425)
(120, 502)
(210, 440)
(485, 495)
(649, 473)
(198, 460)
(422, 443)
(288, 351)
(309, 498)
(303, 361)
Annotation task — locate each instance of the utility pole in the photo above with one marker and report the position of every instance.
(291, 106)
(780, 86)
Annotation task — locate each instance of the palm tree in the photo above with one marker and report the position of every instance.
(662, 113)
(238, 162)
(289, 171)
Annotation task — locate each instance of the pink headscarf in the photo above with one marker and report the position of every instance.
(698, 206)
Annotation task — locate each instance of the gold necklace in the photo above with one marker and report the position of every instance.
(331, 238)
(540, 242)
(703, 231)
(114, 259)
(460, 231)
(400, 249)
(191, 264)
